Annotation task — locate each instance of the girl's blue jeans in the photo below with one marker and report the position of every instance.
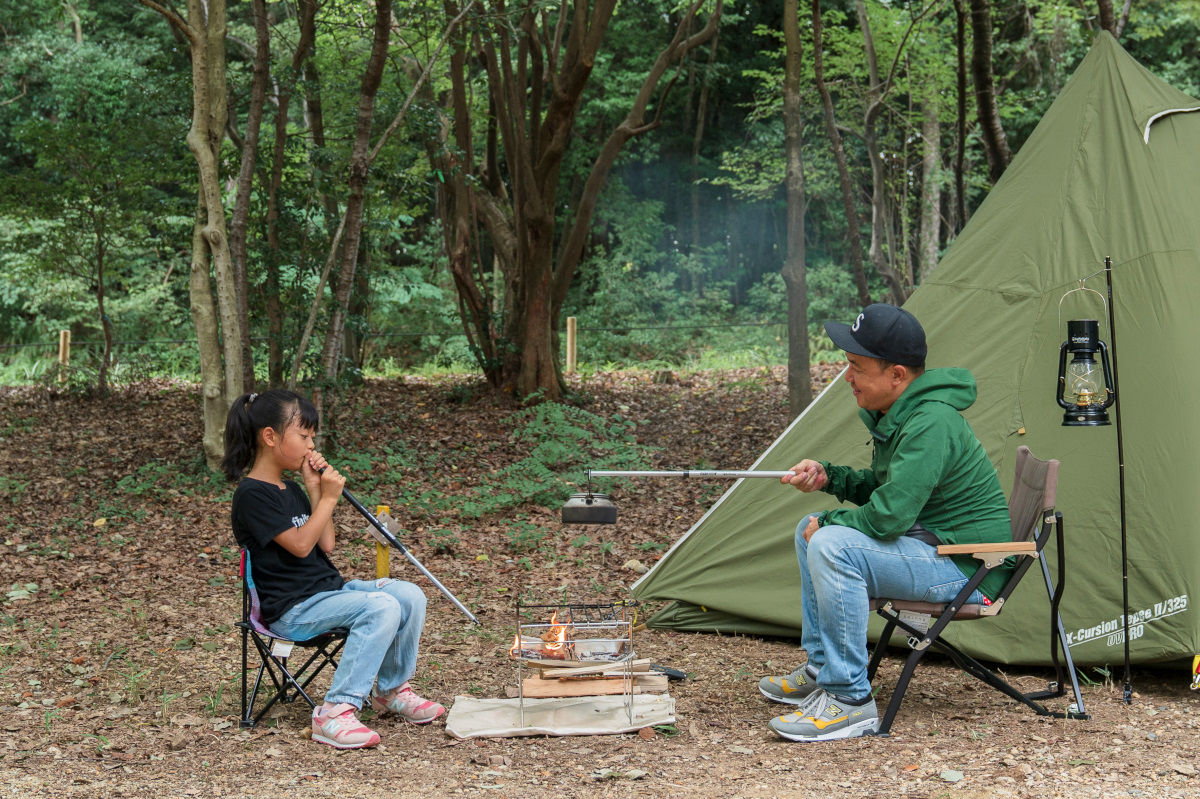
(384, 618)
(840, 570)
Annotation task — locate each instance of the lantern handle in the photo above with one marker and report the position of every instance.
(1083, 287)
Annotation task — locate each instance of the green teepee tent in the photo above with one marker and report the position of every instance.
(1113, 169)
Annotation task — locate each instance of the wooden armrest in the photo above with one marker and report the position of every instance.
(1015, 547)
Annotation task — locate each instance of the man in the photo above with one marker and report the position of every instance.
(930, 482)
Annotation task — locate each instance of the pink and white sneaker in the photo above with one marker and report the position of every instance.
(406, 704)
(340, 728)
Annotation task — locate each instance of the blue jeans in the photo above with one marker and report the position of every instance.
(384, 618)
(840, 570)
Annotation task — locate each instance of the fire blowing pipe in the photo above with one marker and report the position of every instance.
(403, 550)
(590, 508)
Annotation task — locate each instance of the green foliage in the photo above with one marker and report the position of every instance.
(525, 536)
(97, 187)
(563, 443)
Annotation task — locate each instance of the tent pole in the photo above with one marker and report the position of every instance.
(1112, 332)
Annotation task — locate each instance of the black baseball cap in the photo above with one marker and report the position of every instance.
(882, 331)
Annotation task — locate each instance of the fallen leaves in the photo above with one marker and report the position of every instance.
(113, 628)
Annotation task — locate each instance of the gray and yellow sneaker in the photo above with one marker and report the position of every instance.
(828, 718)
(791, 689)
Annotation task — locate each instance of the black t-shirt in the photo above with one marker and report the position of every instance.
(262, 511)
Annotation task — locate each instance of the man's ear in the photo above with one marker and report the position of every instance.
(899, 373)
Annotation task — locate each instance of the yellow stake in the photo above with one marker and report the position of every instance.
(382, 567)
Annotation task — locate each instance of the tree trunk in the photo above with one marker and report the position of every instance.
(307, 10)
(881, 204)
(991, 133)
(1108, 21)
(634, 124)
(459, 202)
(535, 82)
(220, 345)
(931, 186)
(241, 204)
(359, 171)
(701, 113)
(1124, 19)
(105, 325)
(839, 156)
(799, 377)
(214, 410)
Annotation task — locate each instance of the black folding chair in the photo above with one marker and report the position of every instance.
(274, 653)
(1032, 515)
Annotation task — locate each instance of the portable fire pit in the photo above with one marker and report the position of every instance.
(578, 650)
(585, 678)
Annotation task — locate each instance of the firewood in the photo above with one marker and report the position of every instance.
(561, 664)
(534, 688)
(607, 668)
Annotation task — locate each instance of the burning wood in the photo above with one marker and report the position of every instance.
(555, 638)
(553, 644)
(575, 635)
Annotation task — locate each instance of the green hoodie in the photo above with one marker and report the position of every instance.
(927, 467)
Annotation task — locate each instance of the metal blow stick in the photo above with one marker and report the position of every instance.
(698, 473)
(590, 508)
(395, 543)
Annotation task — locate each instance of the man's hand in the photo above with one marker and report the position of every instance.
(813, 526)
(809, 476)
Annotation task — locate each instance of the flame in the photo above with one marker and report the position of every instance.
(559, 632)
(516, 647)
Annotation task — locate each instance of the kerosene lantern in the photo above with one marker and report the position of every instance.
(1085, 387)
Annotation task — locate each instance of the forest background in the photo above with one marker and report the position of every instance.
(304, 193)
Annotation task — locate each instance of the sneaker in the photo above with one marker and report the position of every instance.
(340, 728)
(791, 689)
(827, 718)
(406, 704)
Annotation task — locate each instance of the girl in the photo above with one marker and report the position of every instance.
(301, 593)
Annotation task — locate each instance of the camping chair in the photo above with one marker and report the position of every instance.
(274, 653)
(1032, 515)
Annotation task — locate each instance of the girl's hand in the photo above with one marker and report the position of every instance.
(332, 482)
(316, 461)
(310, 470)
(320, 477)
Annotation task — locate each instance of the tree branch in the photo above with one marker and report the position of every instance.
(680, 45)
(172, 17)
(24, 89)
(417, 86)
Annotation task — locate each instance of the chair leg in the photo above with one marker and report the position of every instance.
(880, 649)
(1079, 712)
(981, 672)
(885, 723)
(327, 658)
(288, 686)
(245, 720)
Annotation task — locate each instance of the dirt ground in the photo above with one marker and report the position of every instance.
(119, 663)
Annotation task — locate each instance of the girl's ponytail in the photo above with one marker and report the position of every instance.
(239, 438)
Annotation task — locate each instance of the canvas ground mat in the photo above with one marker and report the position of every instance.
(588, 715)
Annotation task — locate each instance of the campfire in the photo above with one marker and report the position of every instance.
(581, 642)
(583, 650)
